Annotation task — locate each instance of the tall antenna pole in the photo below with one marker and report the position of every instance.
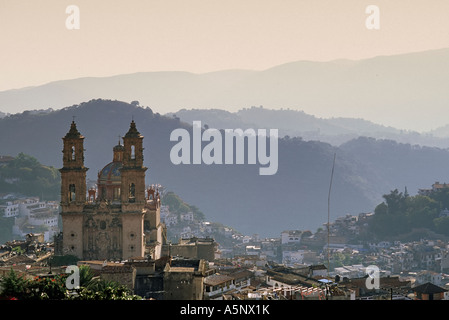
(328, 216)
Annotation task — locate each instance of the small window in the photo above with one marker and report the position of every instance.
(133, 152)
(73, 153)
(72, 193)
(116, 193)
(132, 192)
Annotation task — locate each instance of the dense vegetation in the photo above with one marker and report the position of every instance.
(178, 206)
(53, 287)
(25, 175)
(401, 213)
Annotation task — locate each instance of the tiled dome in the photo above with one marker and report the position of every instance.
(110, 173)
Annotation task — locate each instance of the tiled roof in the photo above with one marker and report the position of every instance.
(428, 288)
(318, 267)
(217, 279)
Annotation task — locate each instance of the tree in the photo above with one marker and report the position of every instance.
(441, 225)
(14, 286)
(54, 288)
(421, 211)
(395, 201)
(441, 196)
(381, 209)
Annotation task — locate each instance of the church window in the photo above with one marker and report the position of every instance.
(116, 193)
(146, 226)
(73, 153)
(102, 225)
(133, 152)
(72, 193)
(132, 192)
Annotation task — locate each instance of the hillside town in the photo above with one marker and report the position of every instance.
(214, 262)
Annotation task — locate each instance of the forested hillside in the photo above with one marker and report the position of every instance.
(236, 195)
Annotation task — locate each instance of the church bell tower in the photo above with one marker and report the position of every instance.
(133, 171)
(73, 191)
(73, 172)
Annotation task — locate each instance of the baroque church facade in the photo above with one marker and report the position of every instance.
(120, 218)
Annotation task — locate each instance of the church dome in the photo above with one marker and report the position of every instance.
(110, 173)
(118, 147)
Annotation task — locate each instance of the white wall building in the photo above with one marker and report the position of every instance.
(34, 214)
(10, 209)
(291, 236)
(292, 257)
(187, 216)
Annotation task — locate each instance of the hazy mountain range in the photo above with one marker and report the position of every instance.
(407, 91)
(296, 123)
(236, 195)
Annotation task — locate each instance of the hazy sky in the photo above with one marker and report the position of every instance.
(129, 36)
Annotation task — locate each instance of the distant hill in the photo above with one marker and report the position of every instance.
(296, 123)
(26, 176)
(236, 195)
(405, 91)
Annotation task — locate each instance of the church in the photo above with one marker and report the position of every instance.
(119, 219)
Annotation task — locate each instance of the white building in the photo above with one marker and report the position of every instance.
(10, 209)
(291, 236)
(354, 271)
(218, 284)
(187, 216)
(35, 214)
(170, 219)
(292, 257)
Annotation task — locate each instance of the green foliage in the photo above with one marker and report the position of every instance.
(86, 276)
(106, 293)
(18, 250)
(178, 206)
(442, 225)
(27, 176)
(40, 288)
(53, 287)
(400, 213)
(14, 286)
(47, 288)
